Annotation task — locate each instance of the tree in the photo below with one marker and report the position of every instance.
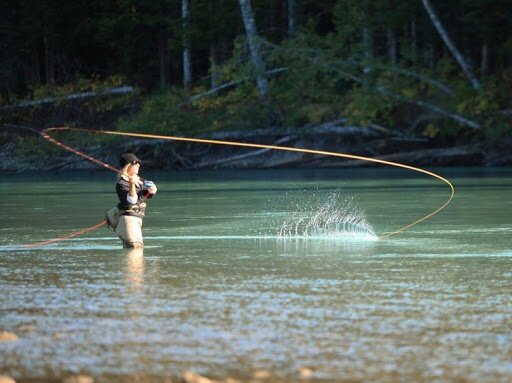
(254, 48)
(449, 43)
(187, 63)
(292, 17)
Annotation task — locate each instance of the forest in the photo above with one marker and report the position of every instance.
(434, 69)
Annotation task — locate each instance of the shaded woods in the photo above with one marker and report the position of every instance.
(438, 71)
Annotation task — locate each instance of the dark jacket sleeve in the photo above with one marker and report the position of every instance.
(122, 189)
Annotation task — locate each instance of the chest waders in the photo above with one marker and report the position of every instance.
(126, 221)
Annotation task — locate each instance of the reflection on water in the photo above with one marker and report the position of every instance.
(135, 269)
(211, 293)
(342, 246)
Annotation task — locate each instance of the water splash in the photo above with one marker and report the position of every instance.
(327, 218)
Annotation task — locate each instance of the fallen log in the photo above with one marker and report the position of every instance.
(431, 157)
(72, 96)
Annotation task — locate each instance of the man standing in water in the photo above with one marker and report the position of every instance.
(132, 192)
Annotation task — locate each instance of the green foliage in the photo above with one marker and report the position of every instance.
(160, 114)
(34, 149)
(171, 113)
(431, 130)
(365, 106)
(338, 64)
(476, 103)
(38, 151)
(488, 105)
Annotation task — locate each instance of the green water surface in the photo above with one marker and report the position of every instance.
(220, 291)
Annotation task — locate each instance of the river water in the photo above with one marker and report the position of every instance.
(248, 270)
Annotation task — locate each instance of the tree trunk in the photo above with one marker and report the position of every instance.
(430, 57)
(368, 42)
(213, 64)
(214, 44)
(451, 46)
(126, 57)
(187, 63)
(254, 47)
(484, 62)
(162, 48)
(36, 67)
(368, 54)
(46, 64)
(48, 59)
(391, 42)
(292, 14)
(414, 42)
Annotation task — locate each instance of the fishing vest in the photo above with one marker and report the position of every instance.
(137, 209)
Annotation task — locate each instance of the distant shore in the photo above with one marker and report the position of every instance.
(163, 155)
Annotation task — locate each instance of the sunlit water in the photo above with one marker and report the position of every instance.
(274, 270)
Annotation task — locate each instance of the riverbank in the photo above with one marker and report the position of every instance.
(17, 156)
(23, 149)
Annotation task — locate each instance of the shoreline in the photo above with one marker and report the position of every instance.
(171, 155)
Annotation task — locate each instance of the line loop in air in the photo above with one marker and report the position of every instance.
(46, 134)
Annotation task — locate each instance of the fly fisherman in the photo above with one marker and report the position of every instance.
(132, 192)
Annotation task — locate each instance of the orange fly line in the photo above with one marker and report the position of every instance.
(46, 135)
